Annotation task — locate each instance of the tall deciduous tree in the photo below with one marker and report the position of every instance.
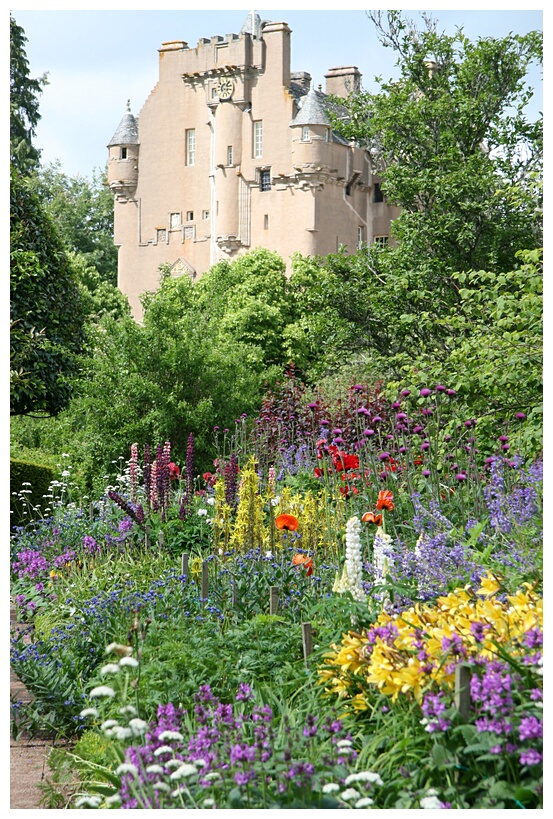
(82, 210)
(24, 114)
(453, 143)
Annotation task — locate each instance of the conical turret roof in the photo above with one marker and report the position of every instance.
(127, 131)
(313, 110)
(252, 25)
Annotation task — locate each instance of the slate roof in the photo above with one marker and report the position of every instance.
(313, 110)
(252, 26)
(127, 131)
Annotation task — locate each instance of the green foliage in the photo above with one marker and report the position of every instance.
(46, 309)
(492, 352)
(24, 115)
(453, 145)
(29, 483)
(82, 211)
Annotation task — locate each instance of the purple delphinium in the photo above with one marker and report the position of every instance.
(134, 511)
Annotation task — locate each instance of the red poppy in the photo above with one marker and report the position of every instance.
(287, 522)
(385, 500)
(370, 517)
(174, 471)
(319, 473)
(345, 490)
(304, 560)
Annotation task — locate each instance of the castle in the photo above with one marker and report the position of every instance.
(231, 151)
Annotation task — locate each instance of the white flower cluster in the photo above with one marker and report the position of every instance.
(382, 557)
(354, 565)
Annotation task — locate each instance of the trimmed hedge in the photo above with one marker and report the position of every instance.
(39, 477)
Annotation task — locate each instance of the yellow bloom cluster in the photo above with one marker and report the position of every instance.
(407, 653)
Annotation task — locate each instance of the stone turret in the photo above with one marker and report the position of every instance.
(123, 155)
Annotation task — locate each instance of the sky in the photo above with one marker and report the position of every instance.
(97, 60)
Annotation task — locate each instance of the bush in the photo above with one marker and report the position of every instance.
(28, 484)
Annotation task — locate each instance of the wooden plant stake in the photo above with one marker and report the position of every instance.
(273, 599)
(205, 580)
(184, 564)
(307, 637)
(462, 690)
(91, 511)
(147, 537)
(161, 540)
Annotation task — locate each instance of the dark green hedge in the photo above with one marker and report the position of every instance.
(39, 477)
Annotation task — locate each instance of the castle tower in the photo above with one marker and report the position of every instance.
(123, 155)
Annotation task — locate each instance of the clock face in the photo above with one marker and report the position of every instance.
(225, 88)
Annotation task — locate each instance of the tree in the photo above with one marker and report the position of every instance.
(47, 313)
(82, 211)
(24, 115)
(455, 151)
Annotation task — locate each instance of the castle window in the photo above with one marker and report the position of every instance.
(327, 135)
(381, 241)
(378, 196)
(123, 153)
(257, 139)
(266, 222)
(360, 235)
(189, 215)
(229, 155)
(264, 180)
(191, 146)
(348, 189)
(305, 133)
(161, 235)
(174, 220)
(205, 214)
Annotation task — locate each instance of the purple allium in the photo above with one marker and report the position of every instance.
(426, 473)
(520, 416)
(376, 419)
(460, 476)
(451, 392)
(384, 456)
(405, 393)
(439, 388)
(425, 392)
(368, 432)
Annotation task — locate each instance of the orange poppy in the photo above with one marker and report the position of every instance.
(304, 560)
(370, 517)
(385, 500)
(287, 522)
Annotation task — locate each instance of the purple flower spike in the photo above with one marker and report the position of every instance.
(425, 392)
